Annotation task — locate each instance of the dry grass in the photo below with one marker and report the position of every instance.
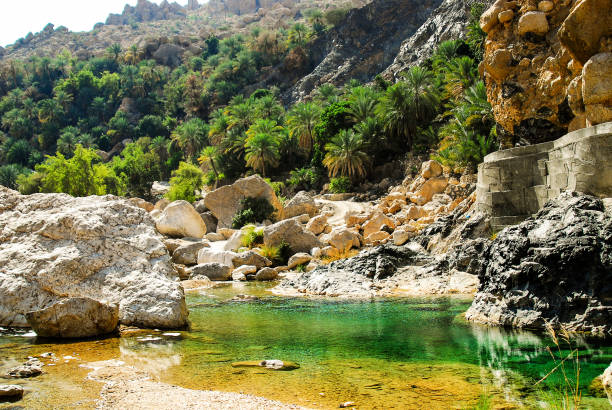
(569, 395)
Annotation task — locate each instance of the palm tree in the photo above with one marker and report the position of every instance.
(261, 151)
(219, 123)
(446, 51)
(264, 126)
(327, 92)
(407, 105)
(479, 107)
(460, 74)
(302, 120)
(297, 34)
(345, 156)
(362, 103)
(191, 136)
(114, 50)
(426, 98)
(209, 156)
(396, 112)
(268, 107)
(240, 116)
(67, 142)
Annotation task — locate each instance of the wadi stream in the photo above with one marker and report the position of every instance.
(384, 353)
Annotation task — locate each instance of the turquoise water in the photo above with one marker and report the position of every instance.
(391, 353)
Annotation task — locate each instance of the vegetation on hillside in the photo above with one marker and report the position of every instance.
(131, 122)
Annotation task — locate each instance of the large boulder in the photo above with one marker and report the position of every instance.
(342, 239)
(554, 268)
(207, 255)
(181, 219)
(212, 271)
(54, 246)
(224, 202)
(187, 254)
(74, 318)
(301, 204)
(317, 224)
(291, 232)
(250, 258)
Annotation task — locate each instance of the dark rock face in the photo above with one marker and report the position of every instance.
(447, 22)
(364, 44)
(553, 268)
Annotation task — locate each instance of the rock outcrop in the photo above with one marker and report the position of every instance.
(376, 31)
(291, 232)
(447, 22)
(147, 11)
(54, 246)
(74, 318)
(553, 268)
(548, 66)
(225, 202)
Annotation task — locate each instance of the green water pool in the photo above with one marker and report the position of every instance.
(387, 353)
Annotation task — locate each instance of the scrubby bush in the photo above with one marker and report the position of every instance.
(339, 185)
(251, 237)
(253, 210)
(184, 183)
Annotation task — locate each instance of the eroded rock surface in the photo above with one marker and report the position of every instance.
(553, 268)
(74, 318)
(54, 246)
(547, 66)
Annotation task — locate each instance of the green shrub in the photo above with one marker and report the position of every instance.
(339, 185)
(304, 179)
(251, 237)
(242, 218)
(184, 182)
(253, 210)
(10, 173)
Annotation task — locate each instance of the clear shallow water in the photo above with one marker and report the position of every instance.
(393, 353)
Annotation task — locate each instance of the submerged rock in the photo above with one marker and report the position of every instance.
(54, 246)
(73, 318)
(31, 368)
(268, 364)
(553, 268)
(10, 392)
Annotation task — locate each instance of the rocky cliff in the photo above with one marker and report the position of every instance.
(447, 22)
(148, 11)
(554, 268)
(548, 66)
(364, 45)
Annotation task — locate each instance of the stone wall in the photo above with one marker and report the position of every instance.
(513, 184)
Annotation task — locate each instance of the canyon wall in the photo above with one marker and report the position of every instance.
(548, 66)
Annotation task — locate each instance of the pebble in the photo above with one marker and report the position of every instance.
(347, 404)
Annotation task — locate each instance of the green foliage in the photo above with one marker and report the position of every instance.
(139, 168)
(345, 155)
(335, 117)
(334, 17)
(10, 173)
(272, 253)
(253, 210)
(185, 181)
(340, 185)
(475, 35)
(304, 179)
(81, 175)
(251, 237)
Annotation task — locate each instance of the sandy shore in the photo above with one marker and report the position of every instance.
(126, 387)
